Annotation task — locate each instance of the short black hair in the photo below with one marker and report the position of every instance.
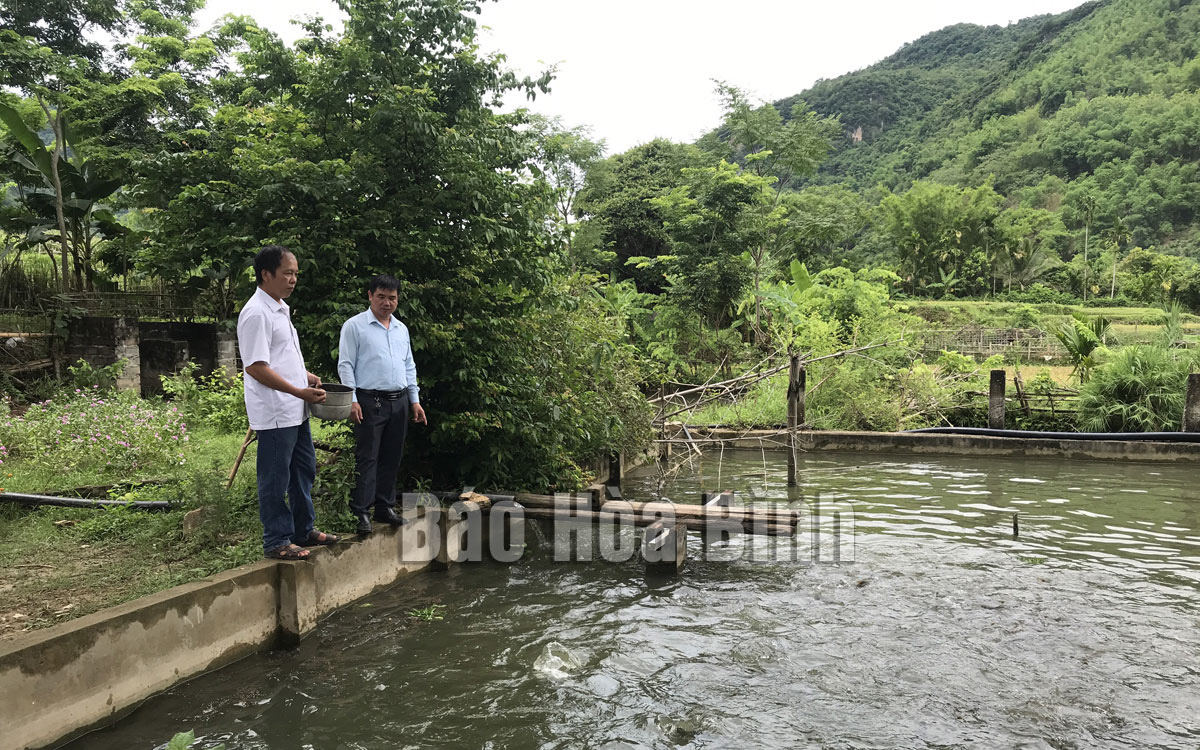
(383, 281)
(268, 259)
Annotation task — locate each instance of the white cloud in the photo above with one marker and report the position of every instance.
(634, 70)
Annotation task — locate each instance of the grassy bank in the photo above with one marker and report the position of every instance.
(829, 408)
(60, 563)
(992, 314)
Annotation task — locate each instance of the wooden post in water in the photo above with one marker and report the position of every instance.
(614, 470)
(664, 547)
(597, 494)
(664, 448)
(1191, 406)
(795, 412)
(996, 400)
(801, 388)
(717, 499)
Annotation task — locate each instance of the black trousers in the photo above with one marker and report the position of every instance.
(379, 444)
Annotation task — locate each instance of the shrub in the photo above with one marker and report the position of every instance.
(212, 399)
(1141, 389)
(112, 434)
(954, 363)
(1118, 301)
(1039, 293)
(1026, 316)
(85, 376)
(1042, 383)
(853, 395)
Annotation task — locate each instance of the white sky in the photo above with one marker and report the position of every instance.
(634, 70)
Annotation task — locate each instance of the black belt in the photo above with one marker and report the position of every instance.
(389, 395)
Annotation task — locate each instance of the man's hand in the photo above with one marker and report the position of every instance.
(313, 381)
(310, 395)
(418, 414)
(263, 373)
(355, 413)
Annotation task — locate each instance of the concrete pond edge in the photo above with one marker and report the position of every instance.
(59, 683)
(907, 443)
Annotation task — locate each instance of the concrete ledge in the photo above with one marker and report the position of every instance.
(951, 445)
(58, 683)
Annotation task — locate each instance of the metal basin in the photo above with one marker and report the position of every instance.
(337, 402)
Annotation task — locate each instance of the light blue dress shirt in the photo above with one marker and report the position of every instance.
(377, 358)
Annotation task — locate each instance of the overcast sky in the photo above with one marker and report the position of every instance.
(634, 70)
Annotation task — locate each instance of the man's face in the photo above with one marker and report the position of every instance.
(282, 281)
(383, 302)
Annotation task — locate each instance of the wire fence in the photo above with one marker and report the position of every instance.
(1029, 344)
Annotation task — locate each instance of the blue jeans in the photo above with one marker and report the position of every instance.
(287, 465)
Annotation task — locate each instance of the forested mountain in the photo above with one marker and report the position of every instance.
(1100, 101)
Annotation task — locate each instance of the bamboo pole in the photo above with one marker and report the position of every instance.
(1021, 391)
(250, 437)
(708, 386)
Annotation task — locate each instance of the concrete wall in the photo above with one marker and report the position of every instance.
(150, 349)
(166, 347)
(58, 683)
(949, 445)
(103, 341)
(228, 361)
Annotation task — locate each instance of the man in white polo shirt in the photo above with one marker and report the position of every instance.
(278, 391)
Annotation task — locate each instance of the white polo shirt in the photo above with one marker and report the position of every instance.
(266, 334)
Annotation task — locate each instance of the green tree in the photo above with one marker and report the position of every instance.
(563, 159)
(1088, 209)
(1083, 339)
(115, 105)
(710, 221)
(1030, 237)
(68, 198)
(934, 228)
(616, 198)
(384, 154)
(827, 220)
(1118, 235)
(776, 152)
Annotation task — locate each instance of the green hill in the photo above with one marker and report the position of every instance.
(1100, 101)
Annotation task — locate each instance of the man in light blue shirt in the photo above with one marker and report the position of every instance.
(375, 359)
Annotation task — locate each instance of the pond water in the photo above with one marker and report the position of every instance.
(937, 629)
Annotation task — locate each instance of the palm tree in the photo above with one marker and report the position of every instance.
(1081, 338)
(1029, 262)
(1118, 235)
(1089, 211)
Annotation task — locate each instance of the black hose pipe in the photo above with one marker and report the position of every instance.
(1159, 437)
(78, 502)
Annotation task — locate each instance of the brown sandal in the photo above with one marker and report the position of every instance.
(288, 552)
(319, 538)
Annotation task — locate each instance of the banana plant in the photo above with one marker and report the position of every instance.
(947, 283)
(62, 185)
